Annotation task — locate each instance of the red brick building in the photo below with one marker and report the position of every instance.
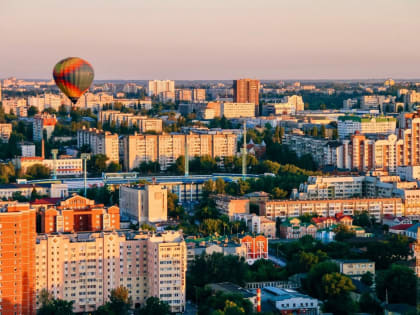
(17, 259)
(77, 214)
(256, 247)
(247, 91)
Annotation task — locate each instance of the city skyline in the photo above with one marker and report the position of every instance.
(186, 40)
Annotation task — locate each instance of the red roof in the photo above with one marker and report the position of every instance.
(401, 227)
(46, 201)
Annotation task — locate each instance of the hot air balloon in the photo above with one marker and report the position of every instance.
(73, 76)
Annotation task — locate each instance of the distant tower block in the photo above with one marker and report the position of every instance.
(244, 154)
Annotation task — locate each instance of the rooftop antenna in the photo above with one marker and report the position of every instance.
(244, 153)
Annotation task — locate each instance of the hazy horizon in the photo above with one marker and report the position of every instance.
(217, 40)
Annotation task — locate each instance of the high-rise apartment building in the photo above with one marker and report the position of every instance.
(157, 87)
(17, 259)
(100, 142)
(147, 203)
(167, 148)
(247, 91)
(199, 95)
(184, 95)
(85, 267)
(43, 122)
(143, 123)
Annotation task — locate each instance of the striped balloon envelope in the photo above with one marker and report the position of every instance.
(73, 76)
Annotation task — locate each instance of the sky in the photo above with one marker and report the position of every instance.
(213, 39)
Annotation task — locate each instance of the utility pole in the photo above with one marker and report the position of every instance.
(54, 153)
(244, 153)
(85, 157)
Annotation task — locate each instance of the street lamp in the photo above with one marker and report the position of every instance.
(85, 157)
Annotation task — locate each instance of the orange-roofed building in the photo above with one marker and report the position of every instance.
(17, 259)
(256, 247)
(77, 214)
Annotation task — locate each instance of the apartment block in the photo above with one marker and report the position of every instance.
(52, 190)
(158, 87)
(99, 142)
(289, 105)
(63, 166)
(167, 148)
(230, 205)
(184, 95)
(208, 246)
(377, 207)
(17, 259)
(5, 132)
(147, 203)
(79, 214)
(142, 123)
(43, 122)
(348, 125)
(237, 110)
(199, 95)
(85, 267)
(247, 91)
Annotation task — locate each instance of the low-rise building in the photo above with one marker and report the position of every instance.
(79, 214)
(355, 268)
(230, 205)
(208, 246)
(256, 247)
(257, 224)
(293, 228)
(146, 203)
(288, 301)
(52, 190)
(237, 110)
(377, 207)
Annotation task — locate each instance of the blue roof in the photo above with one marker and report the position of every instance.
(413, 228)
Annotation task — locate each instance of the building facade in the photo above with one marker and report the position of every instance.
(148, 203)
(247, 91)
(17, 259)
(79, 214)
(99, 142)
(85, 267)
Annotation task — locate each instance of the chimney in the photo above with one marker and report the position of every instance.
(42, 149)
(258, 300)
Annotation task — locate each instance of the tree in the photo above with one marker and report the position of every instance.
(97, 164)
(119, 302)
(154, 306)
(369, 305)
(51, 306)
(399, 282)
(323, 131)
(367, 278)
(32, 111)
(342, 232)
(38, 171)
(114, 167)
(220, 186)
(335, 284)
